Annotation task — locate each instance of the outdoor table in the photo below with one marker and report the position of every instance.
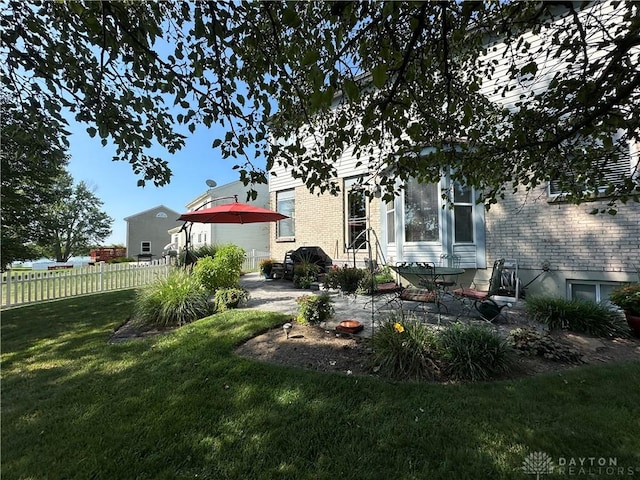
(426, 276)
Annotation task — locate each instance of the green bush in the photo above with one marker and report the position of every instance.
(171, 302)
(314, 309)
(304, 274)
(226, 298)
(473, 352)
(405, 349)
(206, 251)
(198, 252)
(347, 279)
(581, 316)
(366, 286)
(221, 271)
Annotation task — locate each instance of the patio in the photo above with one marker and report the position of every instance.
(280, 296)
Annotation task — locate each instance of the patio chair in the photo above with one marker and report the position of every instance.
(385, 295)
(481, 300)
(449, 281)
(425, 289)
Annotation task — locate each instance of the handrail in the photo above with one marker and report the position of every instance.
(379, 254)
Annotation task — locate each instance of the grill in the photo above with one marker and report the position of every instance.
(306, 254)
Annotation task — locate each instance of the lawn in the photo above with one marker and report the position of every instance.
(183, 405)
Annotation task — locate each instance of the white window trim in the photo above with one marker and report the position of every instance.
(293, 218)
(348, 184)
(596, 283)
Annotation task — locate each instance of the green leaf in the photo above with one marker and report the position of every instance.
(310, 56)
(379, 75)
(351, 89)
(92, 131)
(290, 16)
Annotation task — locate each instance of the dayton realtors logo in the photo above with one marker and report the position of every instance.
(540, 463)
(537, 463)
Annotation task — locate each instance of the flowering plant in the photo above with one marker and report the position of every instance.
(627, 298)
(314, 309)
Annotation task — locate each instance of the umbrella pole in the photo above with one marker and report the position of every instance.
(187, 234)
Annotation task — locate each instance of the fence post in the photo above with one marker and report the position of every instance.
(100, 277)
(8, 299)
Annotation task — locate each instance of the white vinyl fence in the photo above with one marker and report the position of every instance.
(252, 260)
(29, 286)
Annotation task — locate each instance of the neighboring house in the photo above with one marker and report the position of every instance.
(147, 231)
(587, 254)
(249, 236)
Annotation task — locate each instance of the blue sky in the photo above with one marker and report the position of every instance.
(116, 184)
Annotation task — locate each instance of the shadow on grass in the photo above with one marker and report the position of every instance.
(183, 405)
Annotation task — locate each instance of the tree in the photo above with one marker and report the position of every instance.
(386, 79)
(33, 154)
(73, 222)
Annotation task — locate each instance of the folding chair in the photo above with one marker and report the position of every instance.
(488, 308)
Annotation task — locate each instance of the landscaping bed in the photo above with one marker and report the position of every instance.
(319, 349)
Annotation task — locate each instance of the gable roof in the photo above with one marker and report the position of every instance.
(159, 207)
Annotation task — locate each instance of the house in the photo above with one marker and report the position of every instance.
(250, 236)
(147, 232)
(587, 254)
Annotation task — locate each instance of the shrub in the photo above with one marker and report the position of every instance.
(221, 271)
(171, 302)
(473, 352)
(305, 273)
(367, 285)
(314, 309)
(627, 298)
(226, 298)
(266, 265)
(347, 279)
(385, 276)
(206, 251)
(405, 349)
(527, 341)
(581, 316)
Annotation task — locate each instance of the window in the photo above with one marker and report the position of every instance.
(391, 221)
(286, 205)
(614, 171)
(421, 223)
(462, 214)
(356, 209)
(145, 247)
(161, 215)
(594, 291)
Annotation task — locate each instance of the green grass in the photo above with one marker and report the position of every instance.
(182, 405)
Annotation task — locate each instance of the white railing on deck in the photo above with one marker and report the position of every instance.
(30, 286)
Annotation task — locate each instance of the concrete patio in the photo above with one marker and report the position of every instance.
(280, 296)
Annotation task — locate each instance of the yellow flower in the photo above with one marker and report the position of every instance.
(399, 328)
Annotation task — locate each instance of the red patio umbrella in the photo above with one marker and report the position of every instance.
(227, 213)
(232, 213)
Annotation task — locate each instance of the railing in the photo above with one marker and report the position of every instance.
(21, 287)
(252, 260)
(30, 286)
